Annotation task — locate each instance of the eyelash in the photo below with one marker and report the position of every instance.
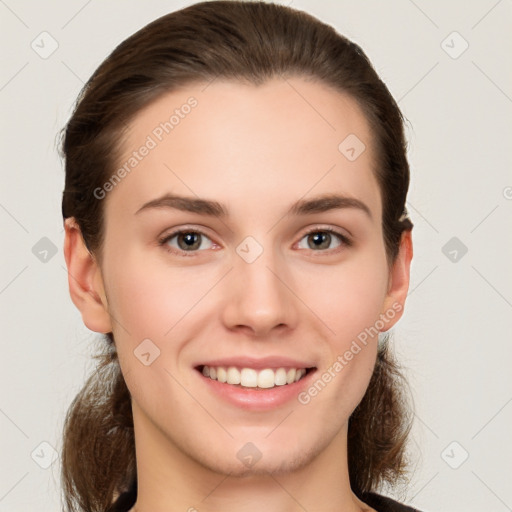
(345, 241)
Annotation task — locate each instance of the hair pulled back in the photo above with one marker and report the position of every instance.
(250, 42)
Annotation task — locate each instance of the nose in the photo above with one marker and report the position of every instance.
(259, 298)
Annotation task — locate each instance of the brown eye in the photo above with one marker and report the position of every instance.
(322, 239)
(186, 241)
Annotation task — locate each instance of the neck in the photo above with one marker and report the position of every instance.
(168, 474)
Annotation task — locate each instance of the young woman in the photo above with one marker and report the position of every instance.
(234, 208)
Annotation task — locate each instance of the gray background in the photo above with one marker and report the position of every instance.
(455, 336)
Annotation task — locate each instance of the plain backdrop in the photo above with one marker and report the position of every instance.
(449, 66)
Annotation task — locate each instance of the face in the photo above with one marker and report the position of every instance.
(281, 279)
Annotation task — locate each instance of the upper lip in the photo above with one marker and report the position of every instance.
(258, 363)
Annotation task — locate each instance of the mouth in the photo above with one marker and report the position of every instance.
(252, 378)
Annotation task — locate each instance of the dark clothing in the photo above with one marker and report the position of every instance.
(380, 503)
(384, 504)
(125, 501)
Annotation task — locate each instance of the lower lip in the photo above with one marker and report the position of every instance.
(257, 399)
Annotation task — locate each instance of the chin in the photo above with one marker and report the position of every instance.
(276, 463)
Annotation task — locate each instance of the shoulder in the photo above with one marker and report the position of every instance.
(385, 504)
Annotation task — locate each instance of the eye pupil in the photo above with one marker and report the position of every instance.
(189, 242)
(321, 238)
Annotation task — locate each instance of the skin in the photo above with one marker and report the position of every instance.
(256, 150)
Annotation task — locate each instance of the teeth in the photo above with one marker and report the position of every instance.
(251, 378)
(221, 374)
(248, 378)
(233, 376)
(280, 377)
(266, 379)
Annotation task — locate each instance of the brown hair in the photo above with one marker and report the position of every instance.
(247, 42)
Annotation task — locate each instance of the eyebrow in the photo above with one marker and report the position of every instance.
(311, 206)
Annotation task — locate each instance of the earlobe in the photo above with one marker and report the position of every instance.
(85, 281)
(399, 278)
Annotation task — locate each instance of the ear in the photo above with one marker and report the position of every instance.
(85, 280)
(398, 283)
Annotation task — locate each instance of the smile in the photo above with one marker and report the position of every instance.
(251, 378)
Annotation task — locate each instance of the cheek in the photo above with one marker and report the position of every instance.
(347, 298)
(152, 302)
(149, 298)
(350, 305)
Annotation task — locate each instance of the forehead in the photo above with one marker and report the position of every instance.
(247, 146)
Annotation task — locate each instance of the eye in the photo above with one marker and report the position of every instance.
(321, 238)
(192, 240)
(186, 240)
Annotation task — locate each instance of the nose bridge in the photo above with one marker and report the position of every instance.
(259, 299)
